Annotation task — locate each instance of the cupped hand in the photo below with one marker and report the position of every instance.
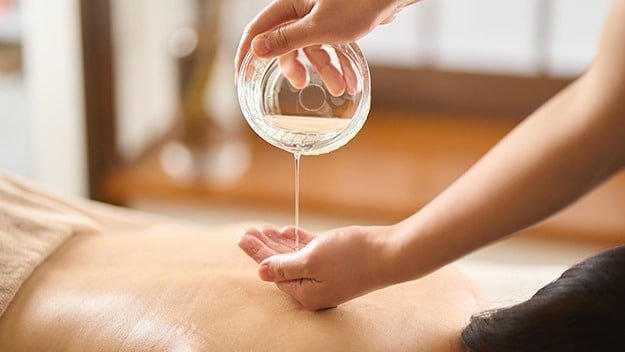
(328, 269)
(285, 26)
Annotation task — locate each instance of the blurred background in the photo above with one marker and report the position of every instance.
(132, 103)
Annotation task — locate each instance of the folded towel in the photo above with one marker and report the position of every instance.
(32, 225)
(35, 222)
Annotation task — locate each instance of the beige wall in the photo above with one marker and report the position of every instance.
(490, 35)
(54, 87)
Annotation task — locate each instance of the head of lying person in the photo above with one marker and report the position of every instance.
(583, 310)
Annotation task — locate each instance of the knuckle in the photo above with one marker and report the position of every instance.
(316, 21)
(279, 268)
(321, 31)
(280, 38)
(312, 260)
(303, 7)
(310, 265)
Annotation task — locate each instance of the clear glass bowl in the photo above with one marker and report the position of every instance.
(319, 109)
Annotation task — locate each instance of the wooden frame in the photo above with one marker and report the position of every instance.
(99, 87)
(435, 91)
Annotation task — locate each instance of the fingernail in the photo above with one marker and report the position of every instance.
(335, 85)
(262, 46)
(268, 273)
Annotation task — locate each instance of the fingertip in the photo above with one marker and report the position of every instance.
(291, 232)
(270, 231)
(246, 243)
(293, 69)
(337, 91)
(261, 46)
(334, 81)
(264, 272)
(349, 76)
(329, 74)
(351, 90)
(287, 229)
(298, 77)
(251, 231)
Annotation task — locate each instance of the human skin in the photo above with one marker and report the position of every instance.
(108, 279)
(285, 26)
(174, 287)
(568, 146)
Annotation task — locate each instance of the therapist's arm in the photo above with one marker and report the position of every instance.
(563, 150)
(567, 147)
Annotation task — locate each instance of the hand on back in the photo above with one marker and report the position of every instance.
(329, 269)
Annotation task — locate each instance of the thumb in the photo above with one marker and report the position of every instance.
(283, 267)
(284, 39)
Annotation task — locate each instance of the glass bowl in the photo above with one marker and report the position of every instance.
(320, 107)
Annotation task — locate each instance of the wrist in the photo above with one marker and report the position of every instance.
(404, 261)
(386, 248)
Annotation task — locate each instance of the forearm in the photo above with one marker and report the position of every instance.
(559, 153)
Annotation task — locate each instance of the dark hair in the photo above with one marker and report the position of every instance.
(583, 310)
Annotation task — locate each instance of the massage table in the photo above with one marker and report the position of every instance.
(76, 275)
